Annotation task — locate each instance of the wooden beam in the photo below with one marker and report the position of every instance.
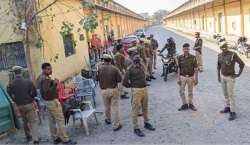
(242, 18)
(225, 15)
(214, 18)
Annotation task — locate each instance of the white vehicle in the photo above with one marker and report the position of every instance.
(140, 32)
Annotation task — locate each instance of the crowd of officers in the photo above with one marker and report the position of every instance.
(114, 74)
(118, 71)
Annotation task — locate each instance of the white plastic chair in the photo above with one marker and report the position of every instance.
(86, 88)
(84, 115)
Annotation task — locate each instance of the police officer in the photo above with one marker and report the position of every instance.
(120, 63)
(48, 89)
(170, 46)
(141, 50)
(198, 50)
(154, 45)
(109, 77)
(150, 58)
(226, 76)
(188, 75)
(131, 53)
(135, 78)
(23, 93)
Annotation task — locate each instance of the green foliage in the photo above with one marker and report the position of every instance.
(66, 28)
(39, 43)
(87, 4)
(81, 37)
(89, 23)
(106, 1)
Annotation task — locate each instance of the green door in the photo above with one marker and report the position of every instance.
(6, 113)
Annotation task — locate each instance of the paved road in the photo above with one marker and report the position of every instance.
(206, 126)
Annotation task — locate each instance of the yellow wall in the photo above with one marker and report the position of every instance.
(49, 27)
(63, 67)
(231, 22)
(234, 18)
(246, 10)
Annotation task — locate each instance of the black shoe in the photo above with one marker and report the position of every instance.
(232, 116)
(35, 142)
(152, 77)
(125, 93)
(183, 107)
(148, 85)
(29, 138)
(57, 140)
(70, 142)
(118, 128)
(192, 107)
(139, 133)
(107, 121)
(124, 97)
(149, 127)
(148, 79)
(140, 114)
(226, 110)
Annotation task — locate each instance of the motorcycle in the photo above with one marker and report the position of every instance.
(219, 38)
(169, 66)
(242, 47)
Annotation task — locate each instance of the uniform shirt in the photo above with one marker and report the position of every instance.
(119, 60)
(22, 91)
(142, 52)
(187, 65)
(154, 44)
(198, 45)
(48, 88)
(227, 61)
(135, 77)
(128, 62)
(108, 76)
(149, 52)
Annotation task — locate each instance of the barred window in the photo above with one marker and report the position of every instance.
(69, 45)
(12, 54)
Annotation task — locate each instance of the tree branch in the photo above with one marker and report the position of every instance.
(49, 5)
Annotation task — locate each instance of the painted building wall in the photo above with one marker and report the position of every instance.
(11, 33)
(53, 51)
(49, 28)
(215, 18)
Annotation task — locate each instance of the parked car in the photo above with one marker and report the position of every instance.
(129, 41)
(140, 32)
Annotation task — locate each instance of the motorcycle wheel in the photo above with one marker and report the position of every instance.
(166, 74)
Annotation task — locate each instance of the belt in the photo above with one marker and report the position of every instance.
(188, 76)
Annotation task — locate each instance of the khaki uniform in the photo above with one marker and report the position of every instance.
(135, 78)
(226, 65)
(23, 92)
(187, 66)
(56, 118)
(109, 77)
(198, 52)
(111, 99)
(29, 117)
(142, 52)
(120, 63)
(149, 56)
(154, 44)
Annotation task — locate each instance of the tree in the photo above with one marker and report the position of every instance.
(158, 16)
